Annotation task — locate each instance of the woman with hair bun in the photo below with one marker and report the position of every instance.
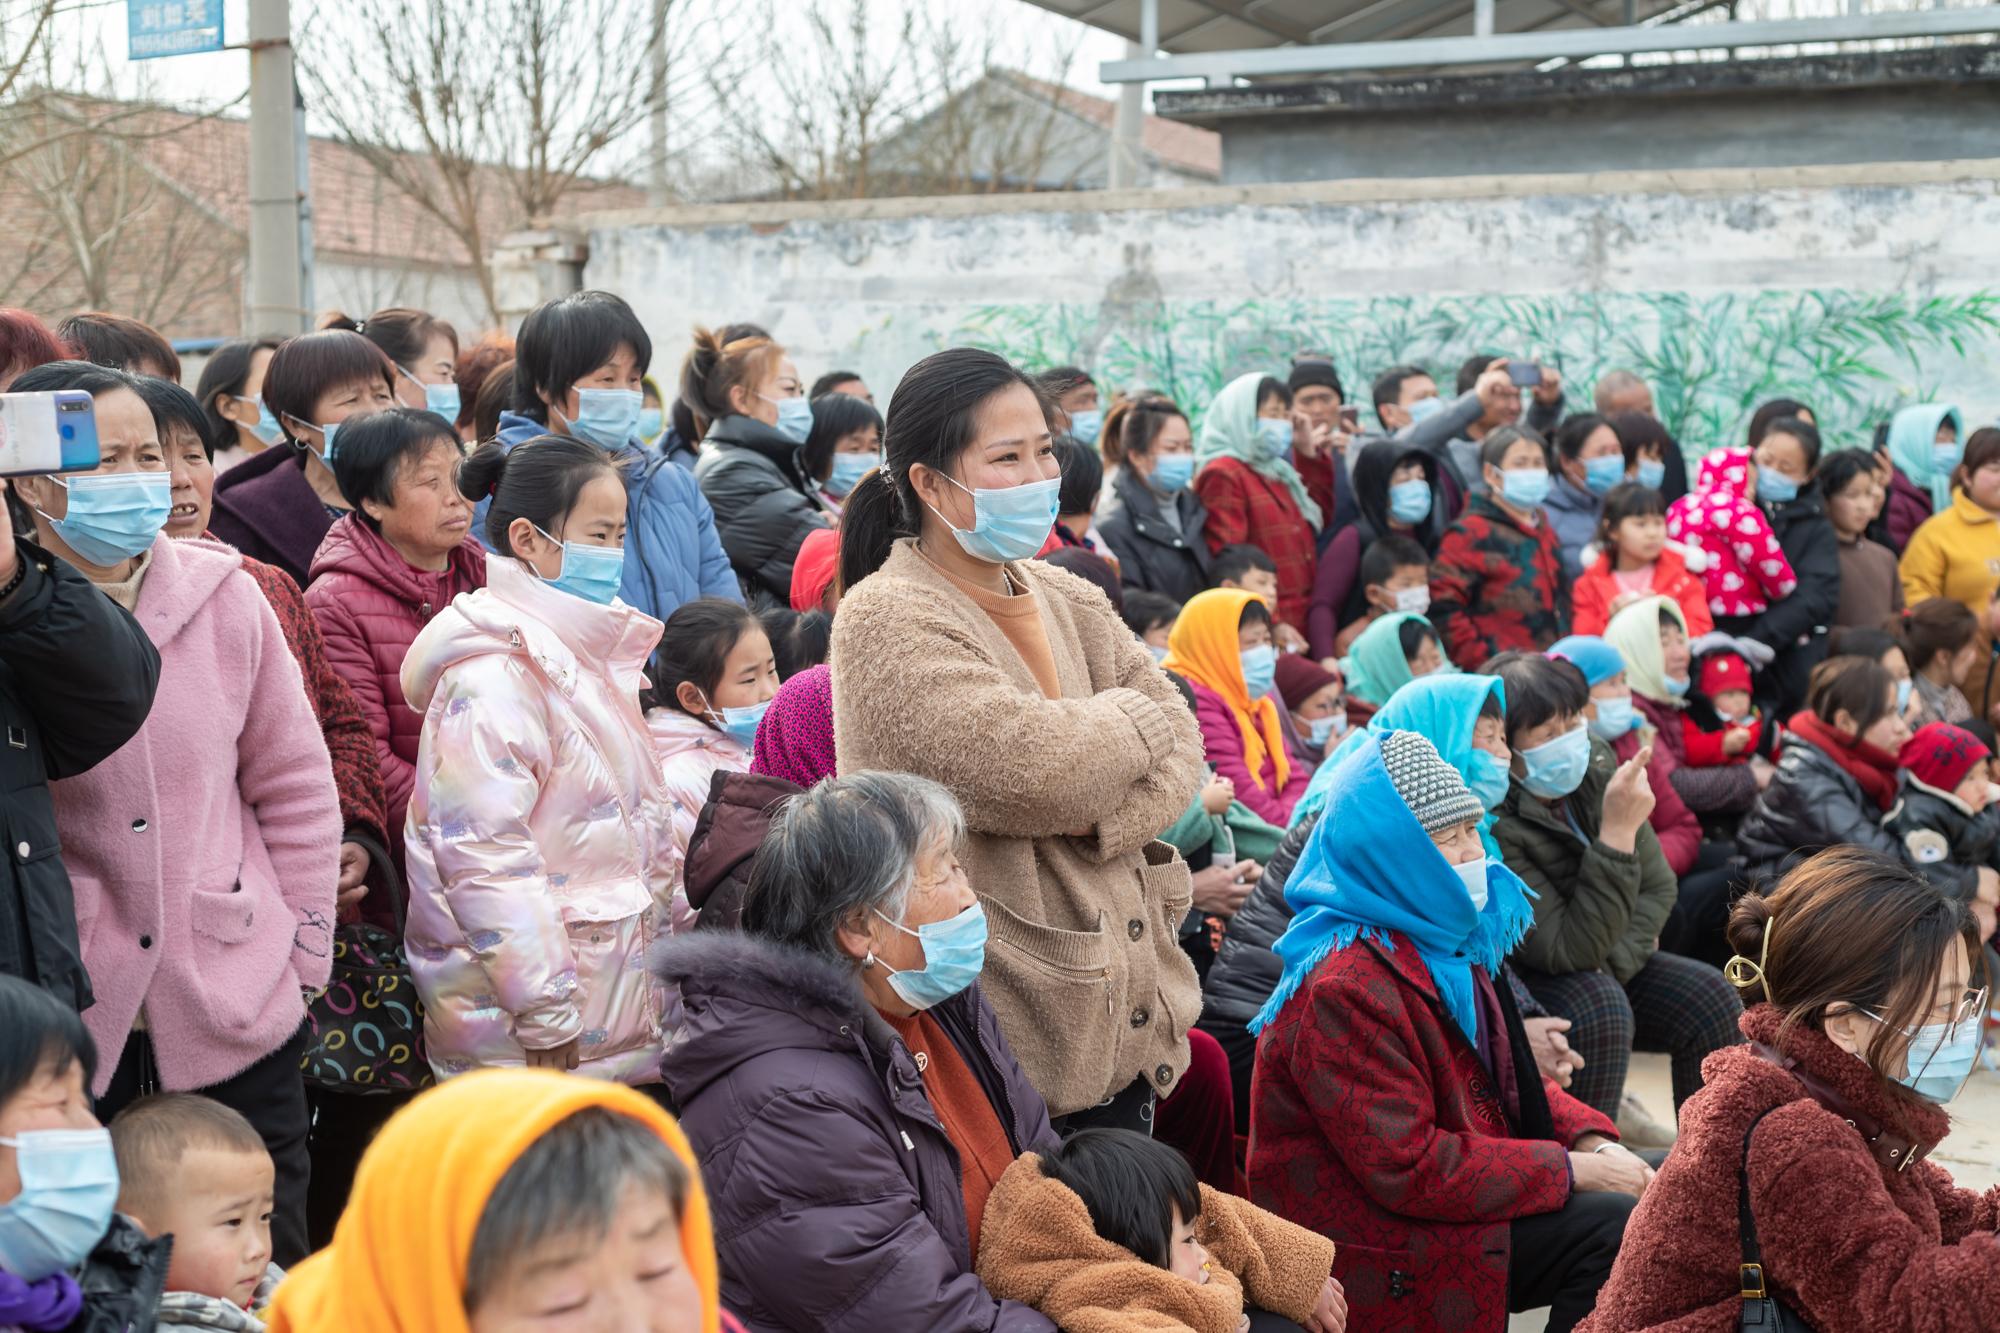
(1803, 1172)
(538, 844)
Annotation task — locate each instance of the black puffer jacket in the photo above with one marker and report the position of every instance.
(77, 676)
(1152, 553)
(1813, 804)
(1935, 832)
(763, 502)
(1795, 627)
(122, 1280)
(1245, 971)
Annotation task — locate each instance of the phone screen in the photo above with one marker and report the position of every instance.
(1525, 374)
(1350, 419)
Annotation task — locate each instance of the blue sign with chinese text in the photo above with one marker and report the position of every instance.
(173, 27)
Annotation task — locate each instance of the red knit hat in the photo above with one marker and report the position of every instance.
(1300, 678)
(1940, 755)
(1722, 672)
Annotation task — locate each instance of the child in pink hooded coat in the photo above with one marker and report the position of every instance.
(1747, 569)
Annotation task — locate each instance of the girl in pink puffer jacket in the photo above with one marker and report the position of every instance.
(539, 851)
(1747, 569)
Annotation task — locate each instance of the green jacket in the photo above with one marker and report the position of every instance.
(1596, 909)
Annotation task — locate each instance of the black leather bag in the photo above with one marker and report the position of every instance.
(1763, 1311)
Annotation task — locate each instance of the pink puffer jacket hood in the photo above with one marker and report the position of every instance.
(540, 854)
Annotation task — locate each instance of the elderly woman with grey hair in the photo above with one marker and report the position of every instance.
(843, 1078)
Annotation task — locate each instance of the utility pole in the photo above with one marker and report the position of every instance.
(275, 283)
(1128, 127)
(657, 192)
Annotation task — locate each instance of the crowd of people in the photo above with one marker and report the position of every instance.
(504, 837)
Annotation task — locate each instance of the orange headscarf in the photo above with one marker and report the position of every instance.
(399, 1257)
(1203, 646)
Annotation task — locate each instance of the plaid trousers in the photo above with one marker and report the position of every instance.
(1672, 1004)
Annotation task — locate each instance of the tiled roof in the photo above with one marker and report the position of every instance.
(1184, 147)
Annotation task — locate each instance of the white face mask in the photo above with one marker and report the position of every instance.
(1415, 601)
(1473, 873)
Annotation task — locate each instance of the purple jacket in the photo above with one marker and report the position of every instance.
(1905, 509)
(822, 1158)
(267, 509)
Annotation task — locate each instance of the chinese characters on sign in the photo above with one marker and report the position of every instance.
(173, 27)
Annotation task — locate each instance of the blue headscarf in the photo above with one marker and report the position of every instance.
(1912, 432)
(1445, 709)
(1369, 869)
(1596, 659)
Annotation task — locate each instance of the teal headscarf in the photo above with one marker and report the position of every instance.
(1230, 431)
(1912, 433)
(1369, 869)
(1443, 708)
(1375, 667)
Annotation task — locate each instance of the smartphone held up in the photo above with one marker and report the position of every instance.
(42, 433)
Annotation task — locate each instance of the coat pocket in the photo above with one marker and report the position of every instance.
(227, 918)
(1380, 1280)
(610, 925)
(1052, 990)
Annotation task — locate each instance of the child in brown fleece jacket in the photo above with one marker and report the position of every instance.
(1112, 1233)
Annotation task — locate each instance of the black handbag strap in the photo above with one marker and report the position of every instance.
(1762, 1309)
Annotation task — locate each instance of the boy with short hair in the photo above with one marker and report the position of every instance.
(193, 1169)
(1250, 569)
(1395, 576)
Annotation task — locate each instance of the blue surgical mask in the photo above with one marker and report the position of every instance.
(590, 572)
(1425, 408)
(849, 469)
(741, 723)
(1903, 688)
(443, 400)
(1085, 426)
(1410, 501)
(69, 1184)
(114, 516)
(325, 451)
(1945, 457)
(1524, 487)
(1556, 768)
(1775, 488)
(1010, 523)
(1159, 653)
(1940, 1059)
(1614, 718)
(1277, 437)
(267, 428)
(1324, 729)
(651, 422)
(954, 953)
(1172, 472)
(1678, 686)
(1600, 475)
(1652, 474)
(607, 417)
(795, 417)
(1486, 778)
(1260, 670)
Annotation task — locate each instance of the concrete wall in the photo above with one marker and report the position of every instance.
(1856, 289)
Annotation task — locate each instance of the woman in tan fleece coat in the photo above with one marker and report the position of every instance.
(958, 657)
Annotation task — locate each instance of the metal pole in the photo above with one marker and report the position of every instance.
(1149, 28)
(274, 285)
(657, 192)
(1482, 18)
(1128, 129)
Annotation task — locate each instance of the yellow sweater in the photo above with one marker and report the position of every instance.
(1956, 554)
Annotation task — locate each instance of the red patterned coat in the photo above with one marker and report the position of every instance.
(1373, 1122)
(1246, 507)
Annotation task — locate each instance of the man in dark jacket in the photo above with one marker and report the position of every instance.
(76, 682)
(755, 481)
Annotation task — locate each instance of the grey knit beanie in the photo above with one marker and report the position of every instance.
(1433, 790)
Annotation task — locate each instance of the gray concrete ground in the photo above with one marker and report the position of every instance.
(1971, 1154)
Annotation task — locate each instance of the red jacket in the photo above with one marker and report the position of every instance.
(370, 603)
(1704, 748)
(1850, 1238)
(1597, 590)
(1373, 1122)
(1246, 507)
(1496, 585)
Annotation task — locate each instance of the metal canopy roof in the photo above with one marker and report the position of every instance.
(1225, 40)
(1199, 26)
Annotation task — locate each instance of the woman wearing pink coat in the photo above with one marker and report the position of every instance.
(540, 857)
(204, 853)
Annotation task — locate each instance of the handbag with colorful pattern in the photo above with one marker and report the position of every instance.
(366, 1029)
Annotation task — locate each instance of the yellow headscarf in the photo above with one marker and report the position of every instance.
(399, 1257)
(1203, 646)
